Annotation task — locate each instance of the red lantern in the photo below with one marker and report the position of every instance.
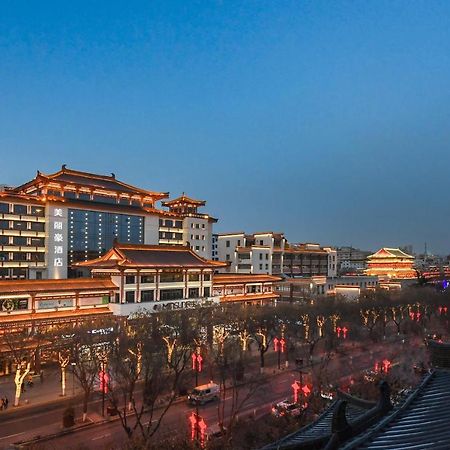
(275, 343)
(440, 309)
(103, 377)
(306, 390)
(345, 330)
(296, 387)
(202, 426)
(338, 331)
(283, 344)
(193, 422)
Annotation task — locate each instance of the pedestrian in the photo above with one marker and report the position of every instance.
(41, 376)
(6, 401)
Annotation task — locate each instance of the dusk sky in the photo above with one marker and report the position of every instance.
(328, 120)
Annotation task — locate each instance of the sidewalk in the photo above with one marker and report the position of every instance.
(47, 391)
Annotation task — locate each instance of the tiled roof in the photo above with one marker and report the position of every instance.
(91, 180)
(387, 252)
(150, 256)
(184, 199)
(226, 278)
(62, 285)
(318, 431)
(421, 423)
(54, 315)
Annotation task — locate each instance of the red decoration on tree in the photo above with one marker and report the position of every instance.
(275, 343)
(344, 331)
(338, 331)
(283, 344)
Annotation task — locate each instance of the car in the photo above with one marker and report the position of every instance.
(204, 393)
(286, 408)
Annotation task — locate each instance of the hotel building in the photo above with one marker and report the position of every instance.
(56, 220)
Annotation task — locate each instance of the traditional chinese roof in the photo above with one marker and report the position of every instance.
(421, 422)
(226, 278)
(77, 179)
(61, 285)
(136, 256)
(386, 252)
(248, 297)
(184, 200)
(316, 434)
(54, 316)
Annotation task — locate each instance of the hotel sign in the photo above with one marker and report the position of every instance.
(57, 242)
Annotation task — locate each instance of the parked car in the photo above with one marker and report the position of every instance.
(204, 393)
(286, 408)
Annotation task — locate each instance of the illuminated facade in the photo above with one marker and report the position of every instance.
(53, 221)
(155, 277)
(250, 289)
(391, 263)
(197, 226)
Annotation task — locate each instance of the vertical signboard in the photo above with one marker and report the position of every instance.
(57, 242)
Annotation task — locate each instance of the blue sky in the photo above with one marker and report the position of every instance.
(329, 121)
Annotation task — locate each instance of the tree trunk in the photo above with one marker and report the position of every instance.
(85, 406)
(63, 381)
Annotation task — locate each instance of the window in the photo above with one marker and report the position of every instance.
(130, 279)
(4, 208)
(206, 292)
(227, 257)
(261, 242)
(206, 277)
(267, 256)
(227, 244)
(37, 242)
(129, 296)
(203, 225)
(178, 224)
(169, 223)
(19, 256)
(171, 277)
(38, 275)
(197, 237)
(260, 256)
(203, 248)
(194, 293)
(19, 240)
(203, 237)
(145, 279)
(197, 248)
(192, 236)
(147, 296)
(171, 294)
(267, 266)
(260, 267)
(194, 277)
(37, 226)
(4, 240)
(197, 225)
(4, 224)
(161, 222)
(20, 209)
(239, 243)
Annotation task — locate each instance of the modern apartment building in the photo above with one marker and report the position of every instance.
(270, 253)
(56, 220)
(251, 253)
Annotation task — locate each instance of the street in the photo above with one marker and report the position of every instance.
(107, 434)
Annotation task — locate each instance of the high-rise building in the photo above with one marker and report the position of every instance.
(56, 220)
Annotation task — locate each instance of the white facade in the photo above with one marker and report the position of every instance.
(197, 233)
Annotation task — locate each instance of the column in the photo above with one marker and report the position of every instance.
(122, 281)
(77, 300)
(185, 277)
(33, 302)
(138, 287)
(157, 297)
(201, 283)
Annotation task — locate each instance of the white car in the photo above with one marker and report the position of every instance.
(286, 408)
